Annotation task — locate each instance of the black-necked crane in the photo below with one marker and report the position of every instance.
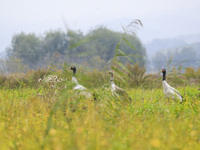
(169, 91)
(74, 80)
(81, 89)
(117, 91)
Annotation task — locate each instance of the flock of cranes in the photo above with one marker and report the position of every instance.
(169, 91)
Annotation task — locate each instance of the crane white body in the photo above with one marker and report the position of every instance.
(77, 85)
(117, 91)
(169, 91)
(81, 90)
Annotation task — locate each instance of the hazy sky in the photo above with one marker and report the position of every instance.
(161, 18)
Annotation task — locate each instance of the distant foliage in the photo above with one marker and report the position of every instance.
(94, 49)
(19, 80)
(189, 72)
(98, 79)
(27, 48)
(186, 56)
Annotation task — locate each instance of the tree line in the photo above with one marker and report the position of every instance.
(94, 49)
(184, 56)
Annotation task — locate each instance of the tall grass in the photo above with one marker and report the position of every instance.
(150, 122)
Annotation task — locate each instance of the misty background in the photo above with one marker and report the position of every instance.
(170, 34)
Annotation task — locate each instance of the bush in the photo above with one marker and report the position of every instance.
(137, 75)
(96, 78)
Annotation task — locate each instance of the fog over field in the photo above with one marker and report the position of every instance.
(167, 24)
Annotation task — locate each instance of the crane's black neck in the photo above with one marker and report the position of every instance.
(111, 78)
(74, 72)
(164, 76)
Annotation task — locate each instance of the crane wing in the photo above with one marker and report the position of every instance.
(119, 91)
(122, 93)
(176, 91)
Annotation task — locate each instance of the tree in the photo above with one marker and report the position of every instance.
(159, 60)
(27, 48)
(73, 47)
(187, 57)
(55, 41)
(102, 42)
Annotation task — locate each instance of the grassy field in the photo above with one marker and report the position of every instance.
(65, 121)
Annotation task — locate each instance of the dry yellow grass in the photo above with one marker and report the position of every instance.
(28, 121)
